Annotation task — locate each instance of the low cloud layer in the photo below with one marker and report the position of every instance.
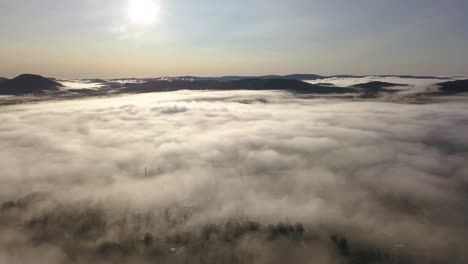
(383, 174)
(411, 85)
(79, 84)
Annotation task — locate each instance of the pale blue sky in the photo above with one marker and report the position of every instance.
(94, 38)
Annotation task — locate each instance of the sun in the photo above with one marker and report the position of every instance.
(143, 12)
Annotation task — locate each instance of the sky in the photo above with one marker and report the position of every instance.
(147, 38)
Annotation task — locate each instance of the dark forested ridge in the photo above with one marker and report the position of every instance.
(454, 87)
(243, 84)
(28, 84)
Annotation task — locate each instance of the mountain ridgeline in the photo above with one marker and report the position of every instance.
(242, 84)
(372, 89)
(454, 87)
(296, 83)
(28, 84)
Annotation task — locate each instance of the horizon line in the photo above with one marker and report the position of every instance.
(238, 75)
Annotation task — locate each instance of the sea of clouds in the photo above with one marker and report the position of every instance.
(409, 85)
(393, 175)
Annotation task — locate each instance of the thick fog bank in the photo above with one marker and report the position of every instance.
(201, 172)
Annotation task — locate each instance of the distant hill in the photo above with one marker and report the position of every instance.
(299, 77)
(28, 84)
(377, 85)
(372, 89)
(242, 84)
(415, 77)
(281, 84)
(384, 76)
(303, 77)
(454, 87)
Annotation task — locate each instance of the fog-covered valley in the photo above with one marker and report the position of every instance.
(233, 132)
(234, 176)
(390, 88)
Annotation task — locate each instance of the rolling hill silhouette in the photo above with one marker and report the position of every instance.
(454, 87)
(372, 89)
(377, 85)
(28, 84)
(242, 84)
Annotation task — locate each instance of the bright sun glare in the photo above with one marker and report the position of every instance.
(143, 12)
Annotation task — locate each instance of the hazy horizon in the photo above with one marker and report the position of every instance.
(220, 76)
(145, 38)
